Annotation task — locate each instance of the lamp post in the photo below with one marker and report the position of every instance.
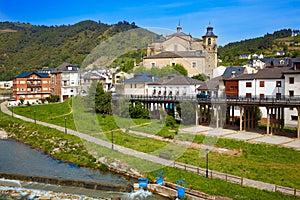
(207, 151)
(65, 124)
(34, 112)
(112, 138)
(12, 111)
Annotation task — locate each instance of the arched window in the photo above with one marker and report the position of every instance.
(209, 41)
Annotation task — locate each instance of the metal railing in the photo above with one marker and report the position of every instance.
(237, 180)
(269, 99)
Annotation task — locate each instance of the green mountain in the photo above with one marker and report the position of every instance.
(26, 47)
(279, 40)
(90, 44)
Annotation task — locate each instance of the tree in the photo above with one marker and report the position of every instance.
(102, 100)
(200, 77)
(137, 111)
(180, 68)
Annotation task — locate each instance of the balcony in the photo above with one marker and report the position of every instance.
(34, 85)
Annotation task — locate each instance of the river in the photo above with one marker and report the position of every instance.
(18, 158)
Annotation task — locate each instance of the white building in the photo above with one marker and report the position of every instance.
(174, 85)
(266, 83)
(6, 84)
(292, 90)
(65, 81)
(138, 85)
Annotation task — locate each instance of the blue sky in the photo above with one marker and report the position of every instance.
(233, 20)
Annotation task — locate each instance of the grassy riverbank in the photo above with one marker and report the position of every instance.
(53, 142)
(260, 162)
(268, 163)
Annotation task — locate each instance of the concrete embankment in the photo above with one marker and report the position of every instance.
(3, 134)
(169, 190)
(64, 182)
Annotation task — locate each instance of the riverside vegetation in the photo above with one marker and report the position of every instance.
(268, 163)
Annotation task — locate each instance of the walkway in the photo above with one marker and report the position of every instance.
(245, 136)
(165, 162)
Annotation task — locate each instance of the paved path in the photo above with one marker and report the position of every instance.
(156, 159)
(245, 136)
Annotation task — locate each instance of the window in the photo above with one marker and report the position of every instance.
(209, 41)
(130, 85)
(261, 96)
(134, 85)
(278, 83)
(261, 83)
(291, 80)
(291, 93)
(175, 47)
(173, 64)
(248, 84)
(194, 64)
(294, 118)
(278, 95)
(248, 95)
(153, 64)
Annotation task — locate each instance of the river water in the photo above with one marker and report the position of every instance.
(18, 158)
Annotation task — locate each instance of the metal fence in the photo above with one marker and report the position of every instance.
(238, 180)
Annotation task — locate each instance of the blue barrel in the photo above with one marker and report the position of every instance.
(143, 182)
(160, 178)
(180, 188)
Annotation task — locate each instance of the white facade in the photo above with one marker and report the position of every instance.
(219, 71)
(261, 88)
(292, 88)
(70, 84)
(135, 88)
(173, 90)
(6, 84)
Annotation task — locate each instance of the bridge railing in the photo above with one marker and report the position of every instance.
(284, 99)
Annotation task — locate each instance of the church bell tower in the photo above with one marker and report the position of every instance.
(211, 50)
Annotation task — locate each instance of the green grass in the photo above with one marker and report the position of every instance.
(268, 163)
(218, 187)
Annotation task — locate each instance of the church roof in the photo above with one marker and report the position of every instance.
(209, 32)
(177, 54)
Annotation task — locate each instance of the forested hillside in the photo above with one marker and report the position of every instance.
(229, 54)
(25, 47)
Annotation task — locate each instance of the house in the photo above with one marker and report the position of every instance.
(228, 83)
(120, 76)
(258, 64)
(65, 81)
(138, 84)
(266, 83)
(87, 78)
(245, 56)
(279, 53)
(6, 84)
(218, 71)
(174, 85)
(31, 87)
(292, 89)
(196, 55)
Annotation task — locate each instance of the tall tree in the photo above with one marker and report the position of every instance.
(102, 100)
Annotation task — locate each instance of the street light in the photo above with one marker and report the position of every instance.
(65, 124)
(34, 116)
(207, 151)
(112, 138)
